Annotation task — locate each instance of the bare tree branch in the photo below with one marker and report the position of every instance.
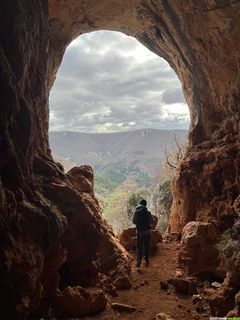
(168, 162)
(180, 152)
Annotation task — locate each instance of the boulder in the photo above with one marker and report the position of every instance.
(122, 282)
(78, 302)
(198, 253)
(128, 238)
(220, 300)
(184, 285)
(81, 178)
(92, 247)
(163, 316)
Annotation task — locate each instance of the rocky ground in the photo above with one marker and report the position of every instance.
(147, 295)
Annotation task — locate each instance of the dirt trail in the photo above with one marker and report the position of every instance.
(146, 294)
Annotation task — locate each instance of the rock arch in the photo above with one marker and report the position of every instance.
(197, 41)
(200, 41)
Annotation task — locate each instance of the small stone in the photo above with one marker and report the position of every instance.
(163, 316)
(178, 274)
(123, 282)
(196, 298)
(164, 285)
(200, 307)
(123, 307)
(216, 284)
(181, 285)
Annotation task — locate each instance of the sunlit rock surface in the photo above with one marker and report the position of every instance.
(46, 223)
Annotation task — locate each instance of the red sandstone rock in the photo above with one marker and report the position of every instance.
(76, 302)
(220, 300)
(128, 238)
(184, 285)
(81, 178)
(92, 247)
(107, 285)
(206, 185)
(123, 282)
(198, 248)
(201, 42)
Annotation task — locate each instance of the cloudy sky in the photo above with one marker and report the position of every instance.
(109, 82)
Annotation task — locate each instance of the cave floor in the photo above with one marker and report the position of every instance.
(146, 294)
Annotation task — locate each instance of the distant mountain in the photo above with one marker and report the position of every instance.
(137, 153)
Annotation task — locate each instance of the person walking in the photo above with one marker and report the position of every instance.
(143, 219)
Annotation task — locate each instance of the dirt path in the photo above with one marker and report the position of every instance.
(146, 294)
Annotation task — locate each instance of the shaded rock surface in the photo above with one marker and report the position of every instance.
(76, 301)
(220, 300)
(91, 244)
(42, 214)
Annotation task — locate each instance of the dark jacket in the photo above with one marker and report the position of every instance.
(142, 218)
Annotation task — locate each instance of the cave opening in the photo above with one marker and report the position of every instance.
(118, 107)
(47, 223)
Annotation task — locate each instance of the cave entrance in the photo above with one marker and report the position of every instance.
(118, 107)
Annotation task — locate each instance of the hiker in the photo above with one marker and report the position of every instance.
(143, 219)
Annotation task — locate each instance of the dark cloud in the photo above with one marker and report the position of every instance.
(110, 82)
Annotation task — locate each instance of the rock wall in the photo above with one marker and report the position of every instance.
(200, 40)
(42, 212)
(49, 221)
(207, 186)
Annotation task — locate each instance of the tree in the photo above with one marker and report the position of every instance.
(134, 200)
(173, 160)
(161, 198)
(119, 205)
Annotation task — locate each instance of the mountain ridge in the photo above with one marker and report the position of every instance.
(142, 149)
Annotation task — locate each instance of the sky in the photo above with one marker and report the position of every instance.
(109, 82)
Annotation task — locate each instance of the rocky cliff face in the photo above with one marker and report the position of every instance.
(43, 214)
(206, 187)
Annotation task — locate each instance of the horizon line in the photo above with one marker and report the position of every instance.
(69, 131)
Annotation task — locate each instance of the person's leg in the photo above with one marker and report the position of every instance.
(139, 248)
(147, 239)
